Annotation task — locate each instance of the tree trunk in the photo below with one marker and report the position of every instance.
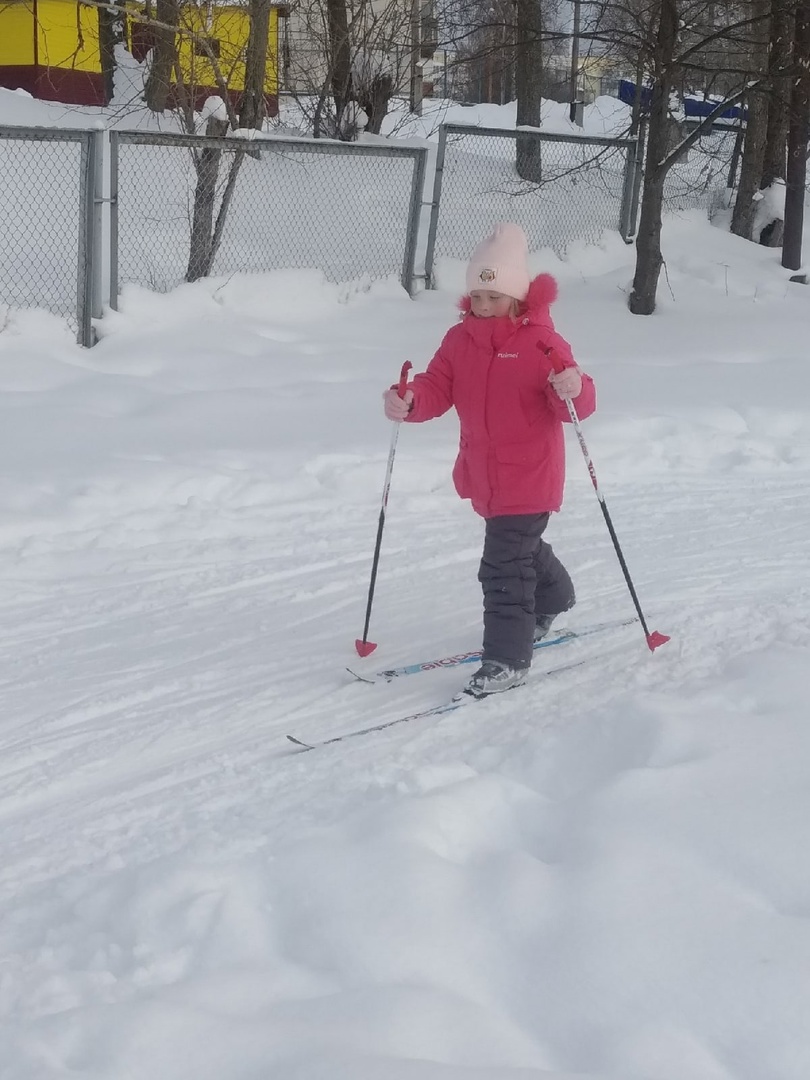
(373, 100)
(781, 35)
(201, 250)
(742, 218)
(110, 33)
(528, 76)
(164, 54)
(797, 143)
(775, 159)
(756, 128)
(340, 59)
(252, 111)
(649, 259)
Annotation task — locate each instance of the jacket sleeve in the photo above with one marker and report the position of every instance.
(559, 351)
(433, 389)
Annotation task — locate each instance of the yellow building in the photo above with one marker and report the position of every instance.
(52, 49)
(61, 50)
(221, 29)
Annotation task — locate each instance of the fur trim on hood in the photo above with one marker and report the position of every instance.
(542, 294)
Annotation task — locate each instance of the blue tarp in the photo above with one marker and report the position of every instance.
(692, 106)
(698, 107)
(627, 93)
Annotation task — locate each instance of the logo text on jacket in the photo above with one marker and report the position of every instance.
(507, 356)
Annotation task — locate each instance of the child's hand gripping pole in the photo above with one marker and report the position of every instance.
(363, 645)
(654, 639)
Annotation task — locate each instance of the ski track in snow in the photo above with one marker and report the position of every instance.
(183, 684)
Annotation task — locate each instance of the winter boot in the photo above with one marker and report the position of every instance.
(542, 625)
(493, 677)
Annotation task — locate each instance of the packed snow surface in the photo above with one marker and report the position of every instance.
(603, 874)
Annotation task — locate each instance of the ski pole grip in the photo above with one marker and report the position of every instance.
(556, 359)
(403, 378)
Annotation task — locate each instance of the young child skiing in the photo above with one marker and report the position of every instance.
(507, 372)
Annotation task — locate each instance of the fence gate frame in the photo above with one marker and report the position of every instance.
(88, 247)
(628, 211)
(417, 154)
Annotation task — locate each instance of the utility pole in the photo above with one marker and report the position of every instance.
(416, 57)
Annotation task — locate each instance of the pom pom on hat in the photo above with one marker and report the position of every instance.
(500, 263)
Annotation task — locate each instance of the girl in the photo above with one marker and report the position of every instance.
(507, 372)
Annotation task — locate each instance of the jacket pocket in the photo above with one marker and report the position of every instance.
(522, 474)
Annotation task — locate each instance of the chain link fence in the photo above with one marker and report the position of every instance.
(559, 188)
(186, 206)
(181, 207)
(703, 178)
(49, 216)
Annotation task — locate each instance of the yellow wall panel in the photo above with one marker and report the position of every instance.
(68, 35)
(16, 33)
(227, 32)
(228, 28)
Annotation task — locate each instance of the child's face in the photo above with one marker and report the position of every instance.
(486, 304)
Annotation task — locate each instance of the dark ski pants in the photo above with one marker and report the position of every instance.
(520, 576)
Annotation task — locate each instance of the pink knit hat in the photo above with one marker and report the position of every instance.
(500, 262)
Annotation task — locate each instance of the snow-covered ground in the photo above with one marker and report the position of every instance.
(603, 874)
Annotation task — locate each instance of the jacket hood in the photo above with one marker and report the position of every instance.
(535, 308)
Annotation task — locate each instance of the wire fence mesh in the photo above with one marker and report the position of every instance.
(701, 179)
(46, 202)
(184, 206)
(558, 188)
(350, 210)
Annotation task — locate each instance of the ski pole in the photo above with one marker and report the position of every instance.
(654, 639)
(363, 645)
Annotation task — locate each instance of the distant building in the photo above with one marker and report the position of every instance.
(52, 49)
(225, 29)
(62, 50)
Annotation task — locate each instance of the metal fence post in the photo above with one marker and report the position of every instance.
(96, 256)
(731, 183)
(90, 235)
(89, 265)
(114, 146)
(414, 214)
(626, 211)
(434, 208)
(84, 270)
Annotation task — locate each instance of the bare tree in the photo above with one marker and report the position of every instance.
(779, 59)
(756, 126)
(340, 56)
(348, 59)
(253, 107)
(680, 46)
(528, 68)
(163, 27)
(167, 84)
(202, 248)
(649, 259)
(486, 37)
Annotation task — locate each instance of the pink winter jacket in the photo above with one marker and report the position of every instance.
(495, 372)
